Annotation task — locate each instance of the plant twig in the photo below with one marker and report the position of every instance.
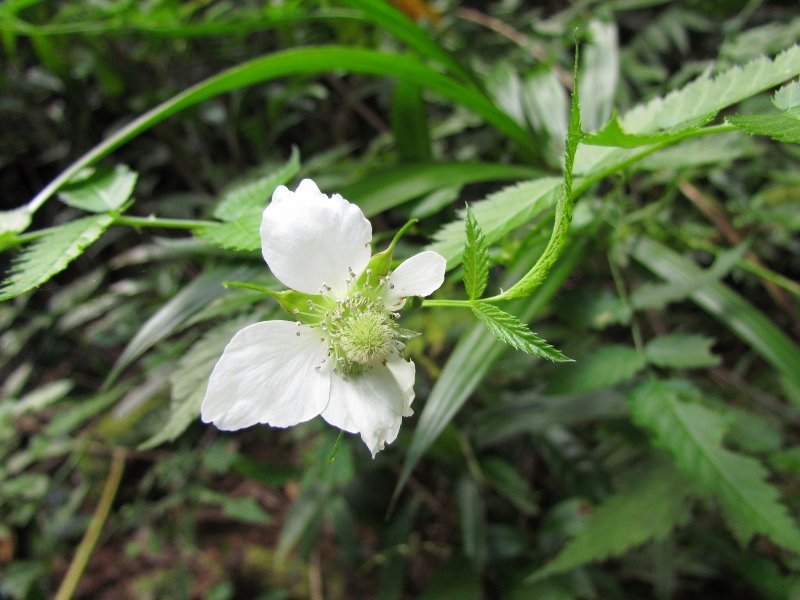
(92, 534)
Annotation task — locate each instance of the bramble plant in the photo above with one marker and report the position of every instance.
(573, 254)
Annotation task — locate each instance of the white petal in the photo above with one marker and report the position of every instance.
(309, 239)
(372, 404)
(420, 275)
(268, 374)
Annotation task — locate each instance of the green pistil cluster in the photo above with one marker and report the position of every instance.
(361, 333)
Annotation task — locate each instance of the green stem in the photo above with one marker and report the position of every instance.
(92, 534)
(448, 303)
(163, 223)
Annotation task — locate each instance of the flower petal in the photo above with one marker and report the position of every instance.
(268, 374)
(420, 275)
(309, 239)
(372, 404)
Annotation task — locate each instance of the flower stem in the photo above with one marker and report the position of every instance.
(92, 534)
(153, 221)
(448, 303)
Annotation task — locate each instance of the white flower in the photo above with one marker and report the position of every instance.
(341, 358)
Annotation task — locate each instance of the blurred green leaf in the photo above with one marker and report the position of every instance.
(174, 313)
(387, 188)
(603, 367)
(100, 190)
(599, 73)
(472, 512)
(655, 504)
(681, 351)
(692, 434)
(410, 124)
(725, 305)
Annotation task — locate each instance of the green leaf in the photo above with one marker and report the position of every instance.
(681, 351)
(100, 190)
(472, 512)
(189, 382)
(410, 124)
(783, 127)
(476, 259)
(603, 368)
(654, 505)
(692, 434)
(241, 234)
(510, 330)
(725, 305)
(250, 197)
(50, 254)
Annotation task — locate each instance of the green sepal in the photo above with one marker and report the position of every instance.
(412, 303)
(378, 265)
(306, 308)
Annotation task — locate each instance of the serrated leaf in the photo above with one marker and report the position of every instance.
(509, 329)
(50, 254)
(783, 127)
(649, 510)
(788, 97)
(701, 97)
(189, 382)
(681, 351)
(692, 434)
(241, 234)
(711, 94)
(250, 197)
(613, 133)
(100, 190)
(476, 258)
(603, 368)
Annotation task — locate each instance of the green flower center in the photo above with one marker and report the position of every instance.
(361, 333)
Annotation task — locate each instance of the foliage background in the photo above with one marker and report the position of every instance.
(662, 463)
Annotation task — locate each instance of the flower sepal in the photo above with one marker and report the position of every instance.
(378, 266)
(305, 308)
